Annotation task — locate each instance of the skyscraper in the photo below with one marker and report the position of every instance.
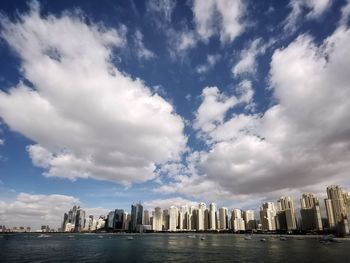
(212, 216)
(119, 219)
(249, 219)
(165, 219)
(238, 223)
(110, 220)
(146, 217)
(223, 218)
(200, 216)
(173, 218)
(286, 214)
(136, 217)
(337, 208)
(157, 224)
(310, 212)
(268, 216)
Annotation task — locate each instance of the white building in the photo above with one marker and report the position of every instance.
(268, 214)
(157, 224)
(238, 223)
(212, 216)
(173, 218)
(200, 216)
(223, 218)
(249, 219)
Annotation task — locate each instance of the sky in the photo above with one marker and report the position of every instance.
(107, 103)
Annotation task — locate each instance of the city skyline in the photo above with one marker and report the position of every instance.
(171, 103)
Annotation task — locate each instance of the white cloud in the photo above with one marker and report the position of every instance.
(87, 118)
(315, 9)
(141, 51)
(36, 210)
(212, 60)
(222, 17)
(212, 110)
(214, 106)
(345, 13)
(2, 141)
(164, 8)
(300, 144)
(247, 62)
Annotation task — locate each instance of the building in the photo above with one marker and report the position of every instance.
(173, 218)
(119, 219)
(201, 216)
(136, 217)
(110, 220)
(286, 214)
(268, 214)
(310, 213)
(157, 224)
(165, 219)
(238, 223)
(223, 218)
(146, 218)
(212, 216)
(249, 219)
(337, 208)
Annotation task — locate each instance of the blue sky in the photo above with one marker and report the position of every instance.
(105, 103)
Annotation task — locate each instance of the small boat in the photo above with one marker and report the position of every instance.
(248, 237)
(202, 238)
(263, 239)
(283, 238)
(130, 238)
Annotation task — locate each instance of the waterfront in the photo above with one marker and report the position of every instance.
(167, 248)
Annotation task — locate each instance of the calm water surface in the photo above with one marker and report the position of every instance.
(166, 248)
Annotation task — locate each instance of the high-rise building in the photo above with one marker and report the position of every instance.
(173, 218)
(200, 216)
(286, 214)
(184, 218)
(249, 219)
(193, 218)
(157, 224)
(212, 216)
(119, 219)
(165, 219)
(223, 218)
(136, 217)
(111, 220)
(146, 217)
(337, 208)
(310, 212)
(238, 223)
(268, 216)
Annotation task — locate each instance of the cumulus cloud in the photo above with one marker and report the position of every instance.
(214, 106)
(210, 63)
(345, 13)
(247, 61)
(87, 118)
(300, 144)
(222, 17)
(35, 210)
(141, 51)
(314, 8)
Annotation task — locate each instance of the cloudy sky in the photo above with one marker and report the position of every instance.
(107, 103)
